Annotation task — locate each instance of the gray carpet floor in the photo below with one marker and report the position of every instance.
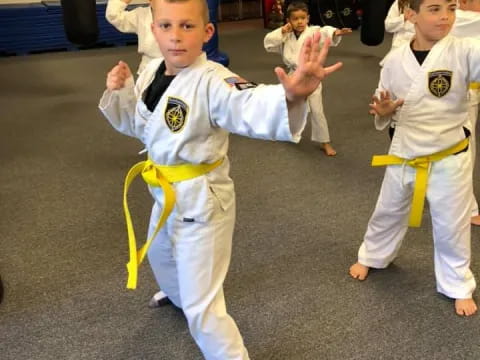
(301, 217)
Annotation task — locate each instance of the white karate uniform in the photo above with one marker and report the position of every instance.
(467, 24)
(289, 47)
(137, 21)
(424, 125)
(403, 30)
(191, 253)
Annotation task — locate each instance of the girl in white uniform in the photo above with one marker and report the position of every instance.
(287, 41)
(183, 110)
(424, 89)
(137, 21)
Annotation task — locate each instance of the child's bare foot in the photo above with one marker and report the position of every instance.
(328, 149)
(465, 307)
(475, 220)
(359, 271)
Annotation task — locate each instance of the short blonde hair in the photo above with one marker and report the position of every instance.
(203, 3)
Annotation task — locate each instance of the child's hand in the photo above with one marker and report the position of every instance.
(117, 77)
(384, 106)
(310, 71)
(286, 28)
(342, 31)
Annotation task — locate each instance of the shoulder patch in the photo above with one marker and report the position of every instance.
(176, 112)
(240, 83)
(439, 82)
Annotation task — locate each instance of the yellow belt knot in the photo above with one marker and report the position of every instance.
(158, 176)
(422, 166)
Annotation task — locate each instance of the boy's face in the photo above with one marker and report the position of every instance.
(180, 31)
(434, 19)
(470, 5)
(298, 20)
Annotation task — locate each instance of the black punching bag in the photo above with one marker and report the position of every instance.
(80, 21)
(373, 21)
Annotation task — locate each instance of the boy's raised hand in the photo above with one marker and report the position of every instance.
(117, 77)
(384, 106)
(310, 70)
(286, 28)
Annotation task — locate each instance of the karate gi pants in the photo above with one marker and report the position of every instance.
(190, 262)
(449, 191)
(472, 117)
(317, 117)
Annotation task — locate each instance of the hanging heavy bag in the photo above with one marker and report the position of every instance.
(373, 21)
(347, 13)
(80, 21)
(328, 13)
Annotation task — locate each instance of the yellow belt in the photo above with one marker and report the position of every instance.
(159, 176)
(421, 164)
(475, 86)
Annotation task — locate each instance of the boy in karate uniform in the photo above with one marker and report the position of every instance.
(183, 109)
(287, 41)
(424, 89)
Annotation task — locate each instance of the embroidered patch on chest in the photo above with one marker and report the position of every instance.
(439, 82)
(176, 113)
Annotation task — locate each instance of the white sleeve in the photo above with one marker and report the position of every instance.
(325, 32)
(474, 59)
(257, 112)
(118, 16)
(118, 107)
(382, 122)
(395, 20)
(274, 40)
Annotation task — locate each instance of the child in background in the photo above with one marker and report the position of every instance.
(287, 41)
(137, 21)
(423, 89)
(183, 109)
(396, 23)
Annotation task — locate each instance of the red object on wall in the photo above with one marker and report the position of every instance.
(267, 8)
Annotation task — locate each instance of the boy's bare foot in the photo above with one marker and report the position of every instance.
(465, 307)
(475, 220)
(328, 149)
(359, 271)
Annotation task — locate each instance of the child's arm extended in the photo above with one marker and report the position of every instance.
(332, 33)
(118, 101)
(395, 19)
(274, 40)
(123, 20)
(275, 112)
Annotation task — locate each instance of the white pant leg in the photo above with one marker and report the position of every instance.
(472, 119)
(389, 222)
(203, 252)
(449, 190)
(317, 117)
(160, 256)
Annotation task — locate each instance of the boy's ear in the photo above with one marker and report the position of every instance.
(209, 31)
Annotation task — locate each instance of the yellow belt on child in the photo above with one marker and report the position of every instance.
(421, 165)
(159, 176)
(475, 86)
